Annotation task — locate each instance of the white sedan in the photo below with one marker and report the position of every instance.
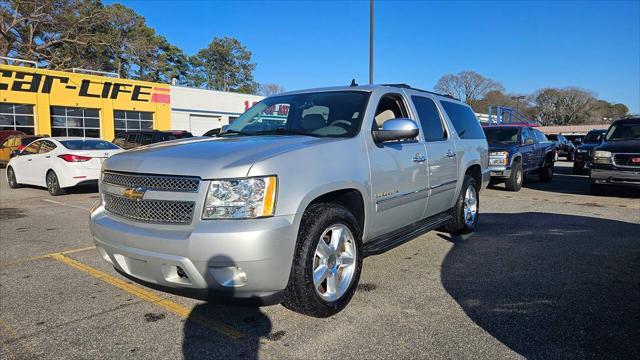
(59, 163)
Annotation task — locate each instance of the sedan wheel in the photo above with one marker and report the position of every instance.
(53, 186)
(11, 178)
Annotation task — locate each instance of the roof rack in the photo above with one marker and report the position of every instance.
(407, 86)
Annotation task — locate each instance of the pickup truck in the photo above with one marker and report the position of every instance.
(516, 150)
(617, 160)
(286, 202)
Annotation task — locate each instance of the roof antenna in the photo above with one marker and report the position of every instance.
(353, 83)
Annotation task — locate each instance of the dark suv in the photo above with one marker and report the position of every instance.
(617, 159)
(564, 147)
(132, 139)
(582, 159)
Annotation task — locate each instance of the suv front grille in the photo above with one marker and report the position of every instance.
(624, 160)
(153, 182)
(151, 211)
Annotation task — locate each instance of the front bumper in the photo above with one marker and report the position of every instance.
(248, 259)
(500, 171)
(615, 176)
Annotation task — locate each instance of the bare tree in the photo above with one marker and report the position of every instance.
(468, 86)
(564, 106)
(271, 89)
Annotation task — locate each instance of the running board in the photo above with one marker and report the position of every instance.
(396, 238)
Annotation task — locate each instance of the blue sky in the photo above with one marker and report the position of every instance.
(524, 45)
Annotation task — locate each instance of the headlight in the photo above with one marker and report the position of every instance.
(498, 158)
(602, 154)
(241, 198)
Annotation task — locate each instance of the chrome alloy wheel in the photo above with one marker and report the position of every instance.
(519, 177)
(470, 206)
(334, 262)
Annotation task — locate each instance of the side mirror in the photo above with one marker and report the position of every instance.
(396, 129)
(14, 153)
(528, 142)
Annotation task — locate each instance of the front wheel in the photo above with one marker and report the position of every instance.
(465, 211)
(11, 178)
(53, 186)
(514, 181)
(327, 262)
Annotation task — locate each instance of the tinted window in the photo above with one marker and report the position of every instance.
(553, 137)
(464, 120)
(147, 138)
(31, 149)
(624, 131)
(593, 137)
(88, 145)
(46, 146)
(429, 118)
(502, 135)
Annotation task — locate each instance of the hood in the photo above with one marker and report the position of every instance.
(206, 157)
(502, 147)
(621, 146)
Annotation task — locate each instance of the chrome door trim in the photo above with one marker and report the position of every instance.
(400, 199)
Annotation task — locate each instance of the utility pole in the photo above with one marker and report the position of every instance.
(370, 41)
(517, 99)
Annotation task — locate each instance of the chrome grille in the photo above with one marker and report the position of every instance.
(153, 182)
(624, 160)
(151, 211)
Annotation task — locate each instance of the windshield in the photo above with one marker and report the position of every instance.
(593, 137)
(88, 145)
(622, 131)
(502, 135)
(321, 114)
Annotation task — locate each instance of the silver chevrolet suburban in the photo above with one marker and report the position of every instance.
(286, 203)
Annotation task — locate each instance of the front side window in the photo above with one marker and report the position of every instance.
(132, 120)
(71, 121)
(429, 118)
(17, 117)
(464, 120)
(33, 148)
(321, 114)
(622, 131)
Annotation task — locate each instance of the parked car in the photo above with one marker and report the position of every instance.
(582, 160)
(564, 147)
(515, 150)
(286, 210)
(4, 134)
(13, 143)
(59, 163)
(576, 140)
(617, 160)
(132, 139)
(213, 132)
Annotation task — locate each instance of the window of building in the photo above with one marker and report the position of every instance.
(429, 119)
(17, 117)
(132, 120)
(71, 121)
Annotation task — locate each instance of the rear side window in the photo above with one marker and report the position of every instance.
(88, 145)
(464, 120)
(429, 118)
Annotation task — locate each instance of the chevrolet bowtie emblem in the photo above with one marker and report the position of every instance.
(134, 193)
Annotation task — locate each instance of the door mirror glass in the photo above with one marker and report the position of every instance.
(396, 129)
(14, 153)
(528, 141)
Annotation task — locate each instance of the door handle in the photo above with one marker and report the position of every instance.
(451, 154)
(419, 158)
(29, 159)
(48, 157)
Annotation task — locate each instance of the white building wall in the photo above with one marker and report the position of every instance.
(200, 110)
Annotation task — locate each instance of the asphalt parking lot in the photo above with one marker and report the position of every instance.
(552, 272)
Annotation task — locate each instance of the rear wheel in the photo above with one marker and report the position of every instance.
(465, 212)
(570, 156)
(11, 178)
(514, 181)
(327, 262)
(53, 186)
(546, 173)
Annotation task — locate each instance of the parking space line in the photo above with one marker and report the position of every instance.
(41, 257)
(148, 296)
(65, 204)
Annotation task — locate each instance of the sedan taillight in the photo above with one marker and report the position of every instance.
(74, 158)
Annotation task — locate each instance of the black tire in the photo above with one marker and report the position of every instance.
(596, 189)
(459, 225)
(514, 181)
(545, 173)
(11, 178)
(570, 156)
(576, 170)
(53, 186)
(300, 294)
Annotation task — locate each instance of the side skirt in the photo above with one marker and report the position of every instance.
(396, 238)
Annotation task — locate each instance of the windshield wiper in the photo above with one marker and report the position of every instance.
(284, 132)
(230, 132)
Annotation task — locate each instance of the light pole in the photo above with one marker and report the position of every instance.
(371, 42)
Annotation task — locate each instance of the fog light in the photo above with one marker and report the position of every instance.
(232, 276)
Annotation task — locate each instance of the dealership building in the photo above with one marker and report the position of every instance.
(57, 103)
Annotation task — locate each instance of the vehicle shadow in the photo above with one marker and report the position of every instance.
(567, 287)
(565, 182)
